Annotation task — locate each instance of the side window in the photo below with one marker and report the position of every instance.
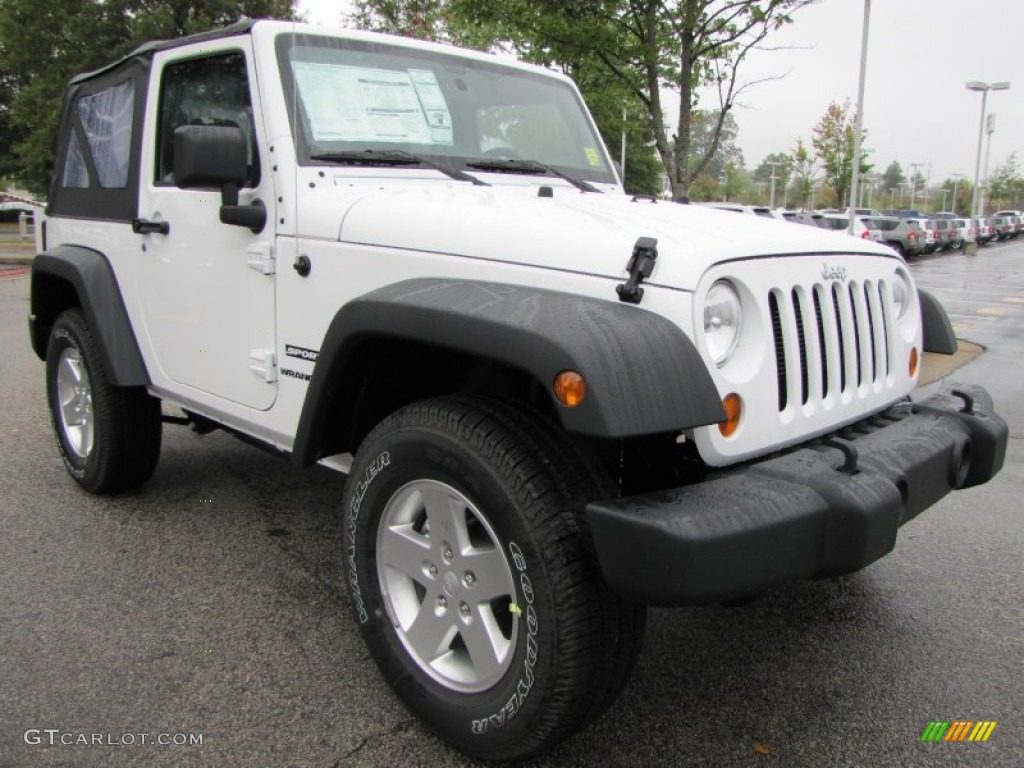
(105, 118)
(209, 91)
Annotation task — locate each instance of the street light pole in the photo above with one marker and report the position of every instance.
(773, 163)
(858, 122)
(913, 181)
(956, 178)
(990, 127)
(977, 85)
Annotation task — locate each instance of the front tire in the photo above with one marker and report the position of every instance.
(108, 436)
(474, 580)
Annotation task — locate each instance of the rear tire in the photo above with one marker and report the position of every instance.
(108, 437)
(474, 579)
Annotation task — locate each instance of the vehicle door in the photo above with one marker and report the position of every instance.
(207, 287)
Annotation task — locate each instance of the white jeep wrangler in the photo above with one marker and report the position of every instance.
(556, 404)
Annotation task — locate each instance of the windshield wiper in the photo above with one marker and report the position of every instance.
(530, 166)
(393, 157)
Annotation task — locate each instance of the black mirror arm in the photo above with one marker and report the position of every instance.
(229, 193)
(253, 216)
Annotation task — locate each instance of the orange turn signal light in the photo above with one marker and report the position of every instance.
(569, 388)
(733, 411)
(913, 362)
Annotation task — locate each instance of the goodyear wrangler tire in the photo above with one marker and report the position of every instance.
(108, 437)
(474, 582)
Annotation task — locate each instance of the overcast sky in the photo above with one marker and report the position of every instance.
(916, 108)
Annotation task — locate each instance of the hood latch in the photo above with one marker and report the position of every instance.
(640, 266)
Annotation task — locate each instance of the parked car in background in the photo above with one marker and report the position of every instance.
(986, 233)
(945, 234)
(838, 222)
(927, 227)
(1015, 224)
(967, 231)
(903, 235)
(755, 210)
(1002, 228)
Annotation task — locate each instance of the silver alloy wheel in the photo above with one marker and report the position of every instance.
(447, 586)
(74, 391)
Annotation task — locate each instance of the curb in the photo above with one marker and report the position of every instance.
(17, 254)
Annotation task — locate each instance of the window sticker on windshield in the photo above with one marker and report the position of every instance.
(435, 108)
(363, 104)
(592, 157)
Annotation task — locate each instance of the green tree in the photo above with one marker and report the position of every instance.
(714, 137)
(45, 42)
(1005, 185)
(805, 174)
(959, 193)
(893, 176)
(833, 142)
(735, 183)
(706, 188)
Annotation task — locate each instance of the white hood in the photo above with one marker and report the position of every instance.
(572, 231)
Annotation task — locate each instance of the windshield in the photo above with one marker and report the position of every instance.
(355, 95)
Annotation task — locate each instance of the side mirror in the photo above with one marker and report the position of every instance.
(217, 156)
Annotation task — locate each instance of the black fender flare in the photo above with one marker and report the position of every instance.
(644, 375)
(936, 330)
(92, 279)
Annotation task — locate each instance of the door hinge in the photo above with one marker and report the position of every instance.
(261, 258)
(263, 362)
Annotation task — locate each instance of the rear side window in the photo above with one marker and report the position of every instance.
(105, 119)
(96, 171)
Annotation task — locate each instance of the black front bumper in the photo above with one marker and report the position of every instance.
(827, 508)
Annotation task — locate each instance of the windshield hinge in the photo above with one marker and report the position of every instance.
(261, 258)
(640, 266)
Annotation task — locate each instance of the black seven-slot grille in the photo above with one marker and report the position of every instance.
(831, 339)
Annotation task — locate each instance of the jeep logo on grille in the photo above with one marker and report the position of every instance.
(833, 273)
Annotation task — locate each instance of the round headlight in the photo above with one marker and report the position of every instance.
(900, 295)
(722, 319)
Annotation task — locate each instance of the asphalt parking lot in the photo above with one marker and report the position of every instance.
(212, 603)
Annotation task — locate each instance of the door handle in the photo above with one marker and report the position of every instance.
(147, 227)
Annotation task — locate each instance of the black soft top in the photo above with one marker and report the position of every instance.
(146, 50)
(113, 203)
